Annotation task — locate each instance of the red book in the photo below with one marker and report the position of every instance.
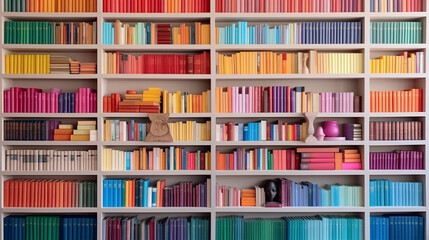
(317, 160)
(317, 155)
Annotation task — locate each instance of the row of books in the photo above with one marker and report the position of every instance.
(121, 130)
(404, 62)
(397, 227)
(47, 193)
(396, 5)
(154, 6)
(395, 130)
(32, 100)
(268, 62)
(290, 194)
(190, 131)
(290, 228)
(46, 64)
(402, 159)
(192, 228)
(141, 193)
(238, 99)
(65, 227)
(290, 33)
(124, 63)
(395, 193)
(185, 102)
(148, 101)
(396, 32)
(259, 6)
(50, 6)
(409, 100)
(155, 33)
(261, 131)
(50, 160)
(47, 130)
(50, 32)
(172, 158)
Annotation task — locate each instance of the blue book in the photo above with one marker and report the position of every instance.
(105, 192)
(153, 197)
(145, 189)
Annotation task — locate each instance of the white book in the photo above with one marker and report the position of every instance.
(263, 130)
(149, 197)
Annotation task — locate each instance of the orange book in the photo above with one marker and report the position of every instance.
(18, 199)
(133, 193)
(62, 137)
(37, 195)
(7, 193)
(158, 193)
(338, 161)
(32, 197)
(63, 131)
(61, 193)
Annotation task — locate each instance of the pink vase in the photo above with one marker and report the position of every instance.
(331, 129)
(320, 135)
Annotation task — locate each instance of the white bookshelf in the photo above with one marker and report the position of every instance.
(108, 83)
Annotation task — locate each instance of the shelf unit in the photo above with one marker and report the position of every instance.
(107, 83)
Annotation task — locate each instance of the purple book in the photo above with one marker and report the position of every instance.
(292, 101)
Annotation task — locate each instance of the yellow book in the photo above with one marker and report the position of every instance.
(86, 127)
(107, 130)
(65, 126)
(177, 105)
(413, 63)
(7, 64)
(205, 29)
(81, 131)
(83, 137)
(109, 159)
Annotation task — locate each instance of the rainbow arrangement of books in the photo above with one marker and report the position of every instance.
(396, 32)
(85, 131)
(185, 102)
(140, 193)
(290, 33)
(124, 63)
(190, 131)
(395, 130)
(192, 228)
(309, 227)
(395, 227)
(50, 160)
(50, 6)
(396, 5)
(154, 6)
(404, 62)
(50, 227)
(172, 158)
(401, 159)
(261, 131)
(49, 193)
(394, 193)
(268, 62)
(50, 32)
(272, 6)
(148, 101)
(34, 100)
(410, 100)
(254, 99)
(45, 64)
(292, 194)
(155, 33)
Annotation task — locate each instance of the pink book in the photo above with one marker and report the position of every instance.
(318, 166)
(43, 103)
(6, 101)
(317, 160)
(52, 99)
(21, 101)
(76, 102)
(351, 101)
(322, 102)
(316, 149)
(48, 102)
(88, 103)
(352, 166)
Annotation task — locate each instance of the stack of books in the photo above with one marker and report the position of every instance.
(88, 68)
(317, 158)
(148, 102)
(86, 131)
(63, 132)
(60, 64)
